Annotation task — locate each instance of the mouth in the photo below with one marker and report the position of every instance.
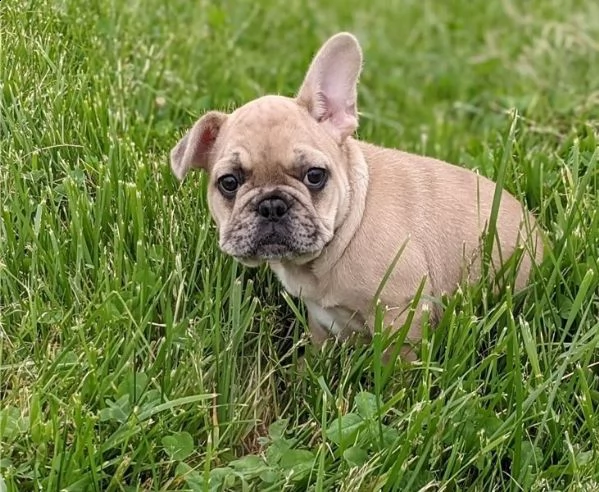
(275, 257)
(277, 247)
(273, 251)
(277, 251)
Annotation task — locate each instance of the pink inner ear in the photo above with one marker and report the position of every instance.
(208, 136)
(339, 114)
(340, 126)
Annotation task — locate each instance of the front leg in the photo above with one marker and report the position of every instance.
(318, 334)
(334, 323)
(321, 324)
(395, 321)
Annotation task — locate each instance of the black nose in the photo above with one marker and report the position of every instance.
(273, 208)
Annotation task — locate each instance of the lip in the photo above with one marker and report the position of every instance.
(273, 250)
(272, 253)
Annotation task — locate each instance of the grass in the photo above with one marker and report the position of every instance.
(135, 356)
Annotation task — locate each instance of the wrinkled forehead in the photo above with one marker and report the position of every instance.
(271, 131)
(268, 118)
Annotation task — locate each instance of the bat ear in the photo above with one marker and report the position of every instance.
(329, 90)
(194, 149)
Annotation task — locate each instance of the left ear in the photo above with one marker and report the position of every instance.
(329, 90)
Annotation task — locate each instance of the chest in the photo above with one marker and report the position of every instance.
(338, 321)
(299, 282)
(332, 308)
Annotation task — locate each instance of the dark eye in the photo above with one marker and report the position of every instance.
(228, 185)
(315, 178)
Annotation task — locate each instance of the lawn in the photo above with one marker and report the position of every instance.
(135, 356)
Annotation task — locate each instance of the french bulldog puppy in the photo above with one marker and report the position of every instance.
(291, 187)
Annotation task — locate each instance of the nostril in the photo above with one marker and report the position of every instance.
(264, 209)
(279, 208)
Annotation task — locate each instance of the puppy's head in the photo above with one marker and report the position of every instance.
(279, 174)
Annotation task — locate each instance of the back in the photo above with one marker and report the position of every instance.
(444, 209)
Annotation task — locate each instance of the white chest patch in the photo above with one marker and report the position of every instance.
(338, 321)
(296, 284)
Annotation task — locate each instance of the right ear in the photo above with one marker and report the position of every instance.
(193, 150)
